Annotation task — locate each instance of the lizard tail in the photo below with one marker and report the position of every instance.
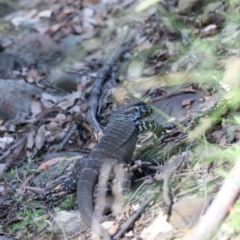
(85, 190)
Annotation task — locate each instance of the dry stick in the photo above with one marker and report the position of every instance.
(131, 220)
(219, 209)
(96, 90)
(68, 136)
(194, 188)
(166, 177)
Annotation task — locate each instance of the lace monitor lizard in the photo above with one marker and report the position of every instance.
(114, 149)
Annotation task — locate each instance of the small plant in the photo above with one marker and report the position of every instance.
(68, 203)
(29, 215)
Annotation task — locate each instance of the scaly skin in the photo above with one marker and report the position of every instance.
(114, 148)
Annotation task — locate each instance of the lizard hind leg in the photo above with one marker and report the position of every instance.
(121, 186)
(68, 185)
(102, 188)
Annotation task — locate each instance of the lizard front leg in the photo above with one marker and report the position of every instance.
(154, 127)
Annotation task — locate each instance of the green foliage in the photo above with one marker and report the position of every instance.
(233, 12)
(30, 214)
(67, 203)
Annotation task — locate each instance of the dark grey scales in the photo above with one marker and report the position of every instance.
(114, 149)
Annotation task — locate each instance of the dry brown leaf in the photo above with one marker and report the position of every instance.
(129, 234)
(35, 106)
(77, 28)
(4, 141)
(5, 188)
(69, 100)
(21, 143)
(42, 27)
(120, 95)
(30, 140)
(40, 137)
(55, 27)
(53, 128)
(33, 76)
(21, 190)
(91, 146)
(47, 103)
(189, 89)
(7, 43)
(159, 226)
(107, 224)
(59, 118)
(94, 1)
(113, 228)
(187, 102)
(46, 111)
(52, 161)
(68, 10)
(47, 96)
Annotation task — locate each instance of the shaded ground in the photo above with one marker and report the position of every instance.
(182, 55)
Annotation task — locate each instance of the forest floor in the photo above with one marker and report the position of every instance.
(59, 58)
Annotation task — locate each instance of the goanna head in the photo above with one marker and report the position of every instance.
(132, 113)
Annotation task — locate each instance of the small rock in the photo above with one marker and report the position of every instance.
(16, 98)
(69, 43)
(187, 211)
(8, 63)
(70, 221)
(35, 48)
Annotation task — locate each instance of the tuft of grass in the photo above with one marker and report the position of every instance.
(68, 203)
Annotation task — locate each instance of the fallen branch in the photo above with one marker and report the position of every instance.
(97, 87)
(132, 219)
(219, 209)
(67, 137)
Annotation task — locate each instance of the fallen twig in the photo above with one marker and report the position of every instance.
(167, 176)
(131, 220)
(67, 137)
